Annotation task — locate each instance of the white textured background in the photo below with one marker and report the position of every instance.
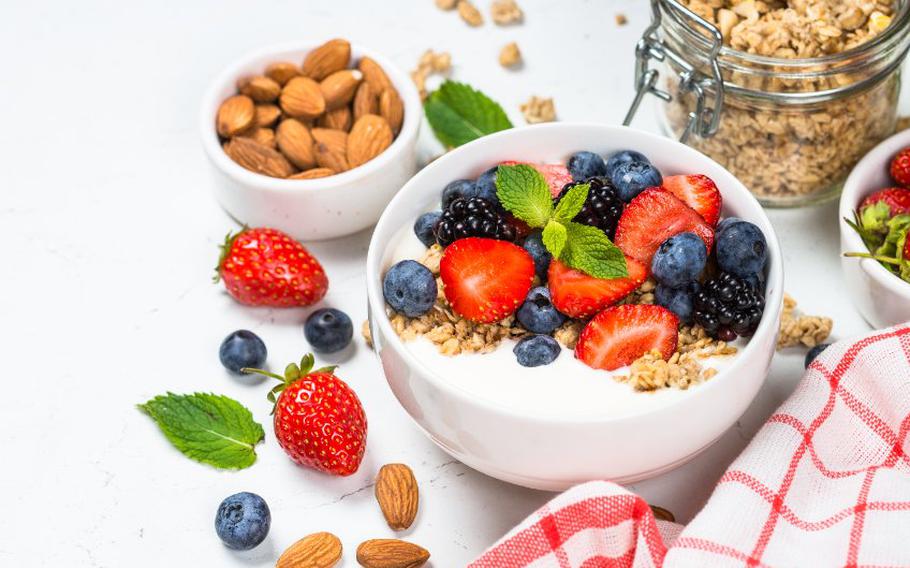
(108, 235)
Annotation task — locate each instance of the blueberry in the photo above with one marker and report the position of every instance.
(328, 330)
(536, 350)
(410, 288)
(815, 352)
(460, 188)
(741, 249)
(756, 281)
(622, 157)
(537, 313)
(679, 260)
(486, 186)
(584, 165)
(243, 521)
(726, 222)
(542, 257)
(631, 178)
(677, 300)
(242, 349)
(424, 225)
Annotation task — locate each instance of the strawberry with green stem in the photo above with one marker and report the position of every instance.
(319, 421)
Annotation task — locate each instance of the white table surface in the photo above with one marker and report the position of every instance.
(109, 234)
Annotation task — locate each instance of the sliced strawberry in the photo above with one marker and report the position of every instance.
(698, 192)
(579, 295)
(896, 198)
(619, 335)
(651, 218)
(557, 175)
(485, 280)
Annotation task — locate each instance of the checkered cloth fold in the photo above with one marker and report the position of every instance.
(825, 482)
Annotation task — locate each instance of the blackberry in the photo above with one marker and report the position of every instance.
(472, 217)
(728, 306)
(603, 207)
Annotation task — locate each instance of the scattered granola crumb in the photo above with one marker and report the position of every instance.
(430, 63)
(469, 13)
(510, 55)
(567, 334)
(506, 12)
(538, 110)
(643, 295)
(798, 329)
(366, 333)
(446, 4)
(903, 123)
(621, 19)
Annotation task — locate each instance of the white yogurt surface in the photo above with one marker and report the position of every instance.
(565, 387)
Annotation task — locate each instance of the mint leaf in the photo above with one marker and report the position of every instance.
(554, 237)
(459, 114)
(590, 250)
(571, 203)
(524, 192)
(208, 428)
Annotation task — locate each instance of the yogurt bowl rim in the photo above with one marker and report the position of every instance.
(376, 302)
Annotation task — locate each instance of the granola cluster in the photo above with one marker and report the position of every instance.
(539, 109)
(796, 328)
(788, 154)
(430, 63)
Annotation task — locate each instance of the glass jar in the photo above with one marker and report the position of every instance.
(790, 129)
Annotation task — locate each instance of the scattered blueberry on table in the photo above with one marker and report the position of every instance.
(240, 349)
(328, 330)
(242, 521)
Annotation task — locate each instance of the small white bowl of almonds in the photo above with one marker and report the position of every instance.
(311, 139)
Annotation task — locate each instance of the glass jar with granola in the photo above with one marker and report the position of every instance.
(786, 94)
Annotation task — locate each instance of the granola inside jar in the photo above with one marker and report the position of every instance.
(786, 94)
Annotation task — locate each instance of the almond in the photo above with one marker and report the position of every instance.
(391, 109)
(314, 173)
(397, 494)
(236, 114)
(332, 56)
(265, 136)
(391, 553)
(258, 158)
(266, 115)
(281, 72)
(302, 98)
(261, 89)
(331, 149)
(318, 550)
(373, 74)
(366, 101)
(338, 88)
(338, 119)
(295, 143)
(369, 137)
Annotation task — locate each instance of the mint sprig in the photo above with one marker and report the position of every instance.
(208, 428)
(524, 192)
(458, 114)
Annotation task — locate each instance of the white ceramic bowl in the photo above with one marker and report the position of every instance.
(555, 452)
(881, 297)
(314, 209)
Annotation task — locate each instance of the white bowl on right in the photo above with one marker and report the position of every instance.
(881, 297)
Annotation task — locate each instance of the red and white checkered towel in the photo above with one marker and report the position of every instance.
(826, 482)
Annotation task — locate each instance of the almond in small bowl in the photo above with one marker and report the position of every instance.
(312, 139)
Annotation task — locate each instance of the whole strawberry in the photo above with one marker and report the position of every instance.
(265, 267)
(900, 167)
(319, 421)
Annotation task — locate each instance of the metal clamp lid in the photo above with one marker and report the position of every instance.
(704, 119)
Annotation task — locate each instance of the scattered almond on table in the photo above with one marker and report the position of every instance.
(318, 550)
(510, 55)
(293, 121)
(391, 553)
(397, 494)
(538, 110)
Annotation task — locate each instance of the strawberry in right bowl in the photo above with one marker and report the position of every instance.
(551, 304)
(874, 227)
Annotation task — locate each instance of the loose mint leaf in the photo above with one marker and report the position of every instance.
(208, 428)
(459, 114)
(524, 192)
(571, 203)
(554, 237)
(590, 250)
